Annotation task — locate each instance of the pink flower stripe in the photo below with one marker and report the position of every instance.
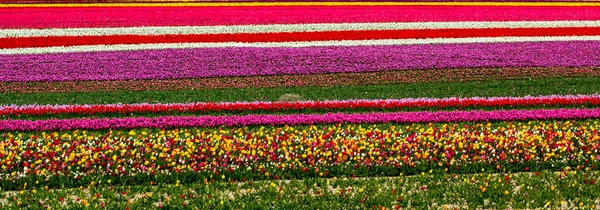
(296, 119)
(178, 1)
(274, 106)
(210, 16)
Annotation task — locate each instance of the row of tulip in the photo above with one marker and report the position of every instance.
(462, 103)
(244, 61)
(296, 119)
(98, 46)
(267, 37)
(107, 16)
(280, 28)
(314, 80)
(572, 188)
(80, 157)
(189, 1)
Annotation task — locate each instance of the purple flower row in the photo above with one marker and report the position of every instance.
(254, 61)
(296, 119)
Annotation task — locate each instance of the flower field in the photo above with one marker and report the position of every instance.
(312, 105)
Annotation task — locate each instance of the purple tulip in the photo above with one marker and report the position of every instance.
(256, 61)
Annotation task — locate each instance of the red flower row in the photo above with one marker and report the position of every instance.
(24, 42)
(312, 105)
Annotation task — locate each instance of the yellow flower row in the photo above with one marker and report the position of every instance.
(286, 147)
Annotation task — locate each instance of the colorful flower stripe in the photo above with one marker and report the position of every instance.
(71, 2)
(120, 1)
(215, 16)
(27, 42)
(280, 149)
(342, 43)
(219, 62)
(278, 28)
(303, 105)
(319, 80)
(295, 119)
(318, 3)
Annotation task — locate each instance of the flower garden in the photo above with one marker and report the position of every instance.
(309, 105)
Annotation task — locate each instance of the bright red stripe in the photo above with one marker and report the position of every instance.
(310, 105)
(22, 42)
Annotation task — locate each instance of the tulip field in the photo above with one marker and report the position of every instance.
(164, 104)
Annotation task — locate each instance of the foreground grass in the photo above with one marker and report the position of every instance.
(569, 189)
(549, 86)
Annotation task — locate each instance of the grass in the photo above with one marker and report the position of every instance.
(552, 86)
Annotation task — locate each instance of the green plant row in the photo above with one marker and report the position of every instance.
(525, 87)
(568, 189)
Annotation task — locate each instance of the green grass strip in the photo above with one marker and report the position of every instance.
(588, 85)
(547, 190)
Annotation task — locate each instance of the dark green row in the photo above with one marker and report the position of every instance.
(563, 86)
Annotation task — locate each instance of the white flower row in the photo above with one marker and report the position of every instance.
(381, 42)
(287, 28)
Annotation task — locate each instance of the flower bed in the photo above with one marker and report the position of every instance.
(78, 157)
(310, 105)
(476, 102)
